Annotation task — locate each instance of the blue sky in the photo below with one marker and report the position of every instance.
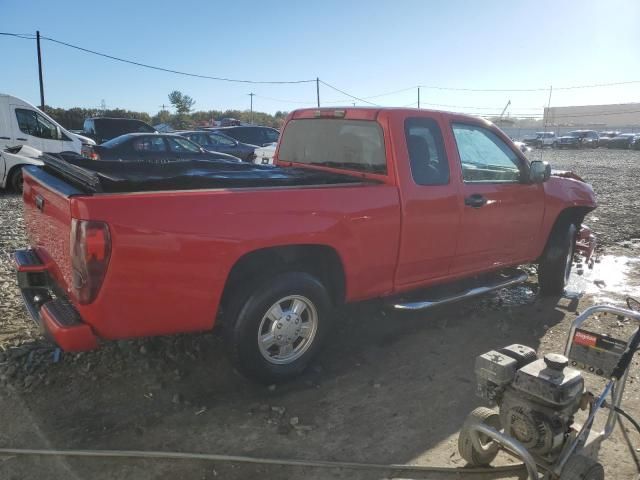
(364, 47)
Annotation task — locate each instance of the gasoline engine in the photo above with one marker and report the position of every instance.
(537, 398)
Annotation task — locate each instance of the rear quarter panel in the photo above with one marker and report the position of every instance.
(172, 251)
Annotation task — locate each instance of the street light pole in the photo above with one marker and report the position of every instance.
(40, 71)
(251, 105)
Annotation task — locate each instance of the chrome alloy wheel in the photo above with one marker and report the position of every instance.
(287, 330)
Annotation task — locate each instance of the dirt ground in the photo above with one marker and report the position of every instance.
(389, 387)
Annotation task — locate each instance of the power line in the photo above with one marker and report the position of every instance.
(348, 94)
(153, 67)
(25, 36)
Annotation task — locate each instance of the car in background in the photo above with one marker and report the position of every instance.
(541, 140)
(522, 146)
(153, 148)
(228, 122)
(12, 159)
(265, 155)
(624, 140)
(606, 136)
(251, 134)
(102, 129)
(23, 124)
(219, 142)
(579, 139)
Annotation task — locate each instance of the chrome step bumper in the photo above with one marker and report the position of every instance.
(513, 277)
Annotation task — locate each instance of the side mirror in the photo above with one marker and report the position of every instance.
(539, 172)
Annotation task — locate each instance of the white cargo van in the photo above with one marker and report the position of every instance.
(23, 124)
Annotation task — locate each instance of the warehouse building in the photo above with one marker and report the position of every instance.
(621, 116)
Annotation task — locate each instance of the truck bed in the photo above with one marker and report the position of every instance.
(91, 176)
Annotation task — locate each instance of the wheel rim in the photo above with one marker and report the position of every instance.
(287, 329)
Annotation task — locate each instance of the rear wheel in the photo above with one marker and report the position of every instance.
(555, 266)
(16, 180)
(277, 328)
(466, 448)
(579, 467)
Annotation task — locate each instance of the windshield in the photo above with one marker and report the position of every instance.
(577, 134)
(349, 144)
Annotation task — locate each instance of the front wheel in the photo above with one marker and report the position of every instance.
(279, 327)
(16, 180)
(556, 262)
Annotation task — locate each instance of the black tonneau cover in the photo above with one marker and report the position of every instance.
(100, 176)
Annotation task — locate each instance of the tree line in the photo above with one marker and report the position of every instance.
(183, 117)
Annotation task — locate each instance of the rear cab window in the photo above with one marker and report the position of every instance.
(427, 155)
(338, 143)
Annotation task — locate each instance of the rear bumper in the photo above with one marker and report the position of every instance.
(49, 307)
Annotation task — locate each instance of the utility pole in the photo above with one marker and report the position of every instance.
(418, 97)
(251, 95)
(318, 90)
(40, 71)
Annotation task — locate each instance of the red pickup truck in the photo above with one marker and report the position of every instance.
(414, 206)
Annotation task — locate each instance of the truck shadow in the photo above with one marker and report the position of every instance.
(388, 388)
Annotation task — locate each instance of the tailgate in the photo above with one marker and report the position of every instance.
(47, 217)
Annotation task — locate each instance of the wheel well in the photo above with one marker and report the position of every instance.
(321, 261)
(573, 215)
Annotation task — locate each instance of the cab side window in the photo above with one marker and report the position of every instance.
(427, 158)
(34, 124)
(484, 157)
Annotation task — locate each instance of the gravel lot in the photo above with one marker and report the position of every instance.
(389, 388)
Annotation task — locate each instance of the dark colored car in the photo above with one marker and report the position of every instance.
(579, 139)
(253, 135)
(219, 142)
(155, 147)
(624, 140)
(102, 129)
(606, 136)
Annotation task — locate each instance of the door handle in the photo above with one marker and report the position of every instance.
(5, 138)
(21, 139)
(475, 201)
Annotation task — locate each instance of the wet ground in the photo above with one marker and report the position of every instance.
(389, 387)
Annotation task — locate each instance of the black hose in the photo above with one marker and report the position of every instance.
(457, 471)
(628, 417)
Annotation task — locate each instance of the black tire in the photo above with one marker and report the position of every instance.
(556, 262)
(15, 180)
(579, 467)
(468, 452)
(248, 313)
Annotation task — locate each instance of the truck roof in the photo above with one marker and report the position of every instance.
(371, 113)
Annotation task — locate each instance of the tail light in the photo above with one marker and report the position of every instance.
(90, 253)
(89, 152)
